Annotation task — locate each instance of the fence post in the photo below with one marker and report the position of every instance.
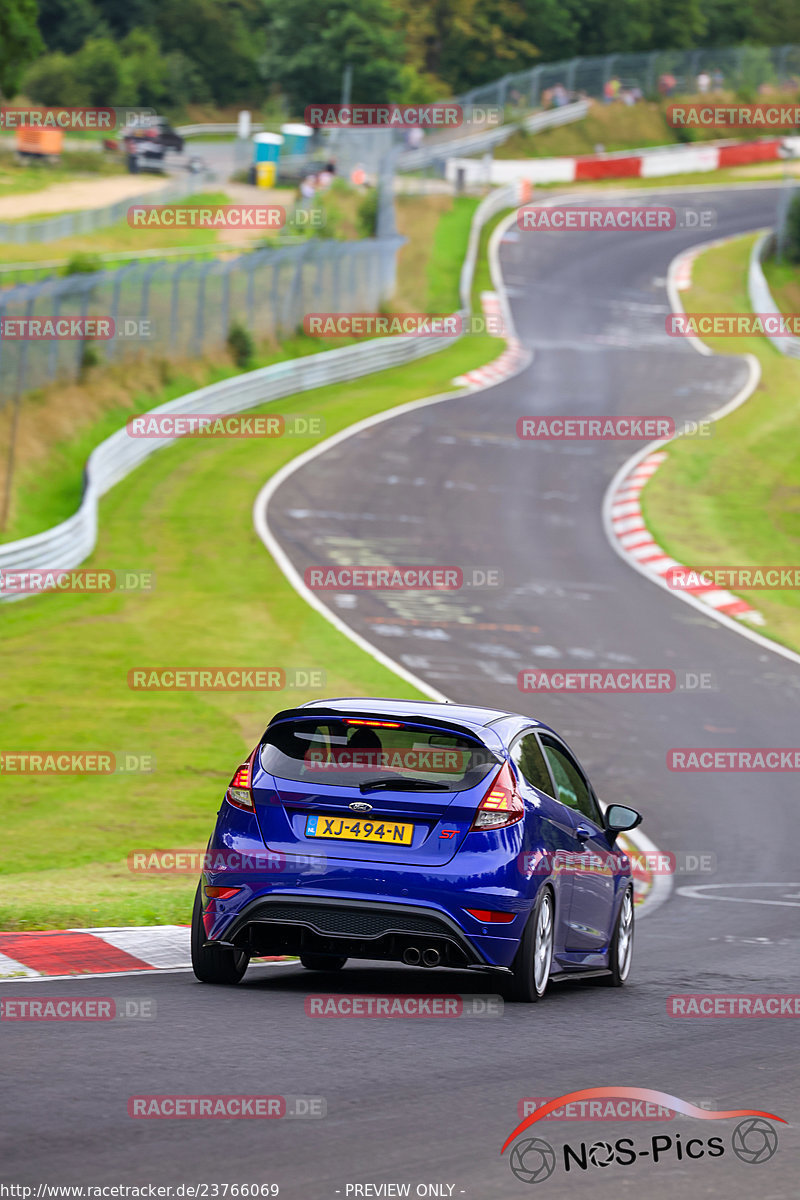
(12, 439)
(199, 320)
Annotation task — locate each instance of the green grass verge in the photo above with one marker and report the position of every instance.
(784, 283)
(733, 499)
(444, 266)
(44, 498)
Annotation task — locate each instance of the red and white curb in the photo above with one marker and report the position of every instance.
(508, 364)
(493, 311)
(104, 951)
(637, 543)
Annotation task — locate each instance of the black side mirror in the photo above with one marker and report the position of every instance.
(619, 818)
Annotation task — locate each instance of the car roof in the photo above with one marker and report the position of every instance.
(504, 723)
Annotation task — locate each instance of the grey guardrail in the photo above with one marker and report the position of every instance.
(68, 544)
(219, 127)
(761, 298)
(476, 143)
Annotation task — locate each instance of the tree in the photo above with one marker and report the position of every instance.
(99, 67)
(223, 38)
(553, 27)
(53, 81)
(309, 45)
(20, 42)
(66, 24)
(145, 70)
(467, 42)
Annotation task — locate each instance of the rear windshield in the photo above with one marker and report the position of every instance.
(348, 753)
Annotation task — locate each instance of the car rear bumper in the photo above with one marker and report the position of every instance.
(283, 922)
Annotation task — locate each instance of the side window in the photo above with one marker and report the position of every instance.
(573, 790)
(529, 761)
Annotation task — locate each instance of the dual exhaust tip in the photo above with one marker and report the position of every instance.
(413, 956)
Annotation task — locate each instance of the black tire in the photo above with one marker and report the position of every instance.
(621, 952)
(322, 962)
(534, 958)
(214, 964)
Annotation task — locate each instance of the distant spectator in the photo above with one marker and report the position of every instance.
(308, 189)
(416, 136)
(560, 96)
(703, 82)
(717, 79)
(611, 89)
(667, 84)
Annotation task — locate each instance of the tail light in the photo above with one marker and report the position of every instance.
(221, 893)
(488, 916)
(502, 804)
(239, 792)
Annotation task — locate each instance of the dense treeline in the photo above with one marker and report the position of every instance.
(170, 53)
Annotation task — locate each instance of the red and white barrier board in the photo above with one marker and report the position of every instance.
(643, 164)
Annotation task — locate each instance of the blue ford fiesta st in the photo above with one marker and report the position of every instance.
(437, 835)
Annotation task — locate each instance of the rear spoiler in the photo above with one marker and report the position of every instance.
(409, 718)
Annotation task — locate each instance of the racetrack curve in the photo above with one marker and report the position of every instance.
(433, 1102)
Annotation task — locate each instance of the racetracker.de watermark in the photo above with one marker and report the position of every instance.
(408, 324)
(732, 324)
(733, 116)
(700, 758)
(641, 862)
(63, 328)
(621, 680)
(402, 116)
(597, 1110)
(224, 679)
(756, 578)
(69, 579)
(221, 425)
(225, 1107)
(101, 120)
(603, 429)
(206, 216)
(408, 577)
(604, 218)
(733, 1005)
(78, 1008)
(193, 862)
(76, 762)
(398, 1006)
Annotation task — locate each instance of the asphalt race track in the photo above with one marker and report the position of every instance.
(431, 1102)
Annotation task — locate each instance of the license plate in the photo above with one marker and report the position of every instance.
(354, 829)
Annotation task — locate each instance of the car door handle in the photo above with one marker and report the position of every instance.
(583, 833)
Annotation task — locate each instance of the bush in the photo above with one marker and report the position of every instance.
(54, 80)
(241, 345)
(83, 264)
(89, 358)
(367, 215)
(753, 68)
